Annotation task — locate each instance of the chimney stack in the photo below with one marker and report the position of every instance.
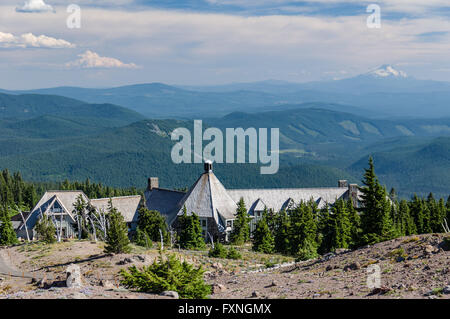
(208, 166)
(342, 183)
(153, 182)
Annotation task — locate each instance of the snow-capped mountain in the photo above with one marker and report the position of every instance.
(386, 71)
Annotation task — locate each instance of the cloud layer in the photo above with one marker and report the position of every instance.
(35, 6)
(29, 40)
(89, 60)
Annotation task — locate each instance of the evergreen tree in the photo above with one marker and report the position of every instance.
(302, 232)
(191, 231)
(7, 234)
(282, 226)
(341, 226)
(241, 227)
(405, 222)
(417, 211)
(376, 220)
(117, 234)
(218, 251)
(46, 230)
(142, 239)
(151, 222)
(355, 221)
(325, 229)
(263, 240)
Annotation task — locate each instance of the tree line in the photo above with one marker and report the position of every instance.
(16, 193)
(305, 230)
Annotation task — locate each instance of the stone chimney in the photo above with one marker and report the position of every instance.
(343, 183)
(353, 193)
(153, 182)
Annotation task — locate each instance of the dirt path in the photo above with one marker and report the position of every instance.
(7, 269)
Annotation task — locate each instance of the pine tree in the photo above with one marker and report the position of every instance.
(117, 234)
(191, 231)
(302, 232)
(263, 240)
(7, 234)
(282, 226)
(325, 229)
(241, 227)
(355, 221)
(342, 227)
(376, 220)
(405, 223)
(46, 230)
(417, 213)
(152, 222)
(142, 239)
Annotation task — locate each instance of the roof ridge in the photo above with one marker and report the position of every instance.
(168, 190)
(116, 197)
(284, 188)
(63, 191)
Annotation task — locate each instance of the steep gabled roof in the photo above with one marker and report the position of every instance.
(208, 199)
(128, 206)
(65, 198)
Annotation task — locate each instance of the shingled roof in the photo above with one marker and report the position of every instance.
(278, 198)
(163, 201)
(65, 198)
(207, 198)
(128, 206)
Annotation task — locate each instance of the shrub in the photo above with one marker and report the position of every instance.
(233, 253)
(218, 251)
(306, 252)
(170, 274)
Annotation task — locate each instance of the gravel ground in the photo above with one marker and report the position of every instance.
(409, 267)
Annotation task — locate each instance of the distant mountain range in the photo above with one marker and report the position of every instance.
(381, 93)
(327, 131)
(318, 146)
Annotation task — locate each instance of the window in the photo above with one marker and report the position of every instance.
(204, 223)
(229, 223)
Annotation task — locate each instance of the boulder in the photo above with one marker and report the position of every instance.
(107, 284)
(218, 288)
(380, 291)
(353, 266)
(170, 293)
(446, 290)
(217, 266)
(140, 258)
(42, 283)
(428, 250)
(125, 261)
(73, 279)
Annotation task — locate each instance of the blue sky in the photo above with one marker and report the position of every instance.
(217, 41)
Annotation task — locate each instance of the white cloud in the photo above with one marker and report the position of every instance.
(35, 6)
(89, 60)
(29, 40)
